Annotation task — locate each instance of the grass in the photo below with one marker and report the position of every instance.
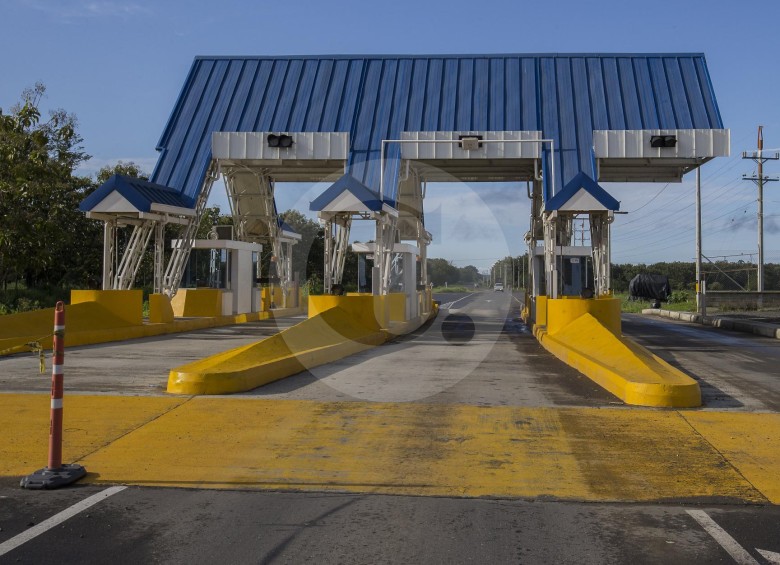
(636, 306)
(453, 288)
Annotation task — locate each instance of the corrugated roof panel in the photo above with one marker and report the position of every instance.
(318, 95)
(496, 96)
(523, 114)
(377, 97)
(708, 94)
(663, 99)
(272, 89)
(182, 117)
(481, 101)
(254, 100)
(432, 94)
(198, 139)
(238, 102)
(417, 96)
(579, 72)
(646, 98)
(303, 96)
(614, 94)
(567, 136)
(293, 79)
(628, 90)
(447, 115)
(464, 101)
(682, 112)
(598, 99)
(549, 93)
(350, 97)
(693, 94)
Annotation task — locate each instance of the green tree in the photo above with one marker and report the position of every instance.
(43, 237)
(441, 271)
(128, 169)
(469, 274)
(309, 252)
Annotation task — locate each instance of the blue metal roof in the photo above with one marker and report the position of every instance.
(582, 181)
(566, 96)
(140, 193)
(347, 183)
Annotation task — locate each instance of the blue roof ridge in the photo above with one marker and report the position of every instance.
(441, 56)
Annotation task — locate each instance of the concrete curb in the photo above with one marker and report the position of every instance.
(751, 327)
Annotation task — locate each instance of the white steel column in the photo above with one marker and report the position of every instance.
(328, 259)
(109, 253)
(550, 264)
(133, 255)
(159, 256)
(180, 254)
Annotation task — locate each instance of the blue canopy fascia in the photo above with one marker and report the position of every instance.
(140, 193)
(347, 183)
(582, 181)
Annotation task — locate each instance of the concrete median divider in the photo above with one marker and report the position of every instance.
(585, 334)
(337, 326)
(325, 337)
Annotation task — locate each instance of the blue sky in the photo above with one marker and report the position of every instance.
(119, 67)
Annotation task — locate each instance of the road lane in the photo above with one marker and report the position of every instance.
(736, 371)
(501, 364)
(152, 525)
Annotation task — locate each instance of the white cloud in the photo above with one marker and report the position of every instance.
(79, 9)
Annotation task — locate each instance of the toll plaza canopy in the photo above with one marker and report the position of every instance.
(596, 108)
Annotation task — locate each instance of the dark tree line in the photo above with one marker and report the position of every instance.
(720, 275)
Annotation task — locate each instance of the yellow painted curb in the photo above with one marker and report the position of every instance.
(325, 337)
(108, 329)
(624, 368)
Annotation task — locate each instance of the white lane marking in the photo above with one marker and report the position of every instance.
(737, 552)
(449, 304)
(57, 519)
(518, 300)
(770, 556)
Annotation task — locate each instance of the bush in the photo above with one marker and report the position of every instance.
(26, 299)
(679, 296)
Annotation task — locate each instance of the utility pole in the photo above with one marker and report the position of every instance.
(760, 179)
(698, 241)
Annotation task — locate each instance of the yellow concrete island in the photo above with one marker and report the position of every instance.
(586, 334)
(100, 316)
(338, 326)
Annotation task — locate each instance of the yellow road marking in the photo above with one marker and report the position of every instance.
(403, 448)
(750, 442)
(90, 422)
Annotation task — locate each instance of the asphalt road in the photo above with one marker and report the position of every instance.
(499, 362)
(736, 371)
(476, 352)
(151, 525)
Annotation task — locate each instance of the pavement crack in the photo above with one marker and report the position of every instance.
(134, 429)
(723, 456)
